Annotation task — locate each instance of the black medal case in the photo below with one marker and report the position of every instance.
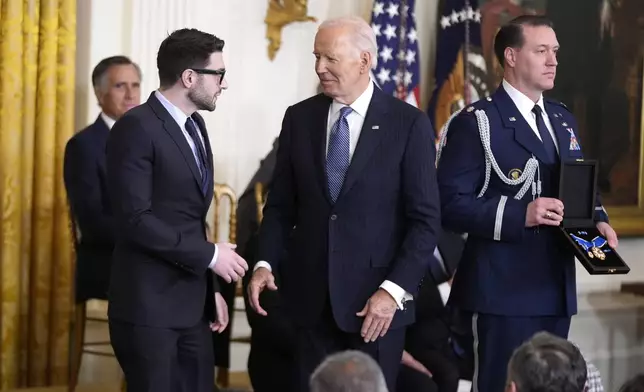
(577, 191)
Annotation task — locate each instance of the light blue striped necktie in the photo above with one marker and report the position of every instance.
(338, 154)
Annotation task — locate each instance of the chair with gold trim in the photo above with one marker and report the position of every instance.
(223, 193)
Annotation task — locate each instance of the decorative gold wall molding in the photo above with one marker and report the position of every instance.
(279, 14)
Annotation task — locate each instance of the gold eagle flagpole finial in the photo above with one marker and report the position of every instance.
(279, 14)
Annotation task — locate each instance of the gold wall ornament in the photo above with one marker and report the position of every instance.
(279, 14)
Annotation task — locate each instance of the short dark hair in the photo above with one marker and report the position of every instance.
(511, 34)
(183, 49)
(547, 363)
(635, 384)
(104, 65)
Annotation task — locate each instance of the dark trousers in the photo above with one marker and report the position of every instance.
(496, 337)
(315, 344)
(411, 380)
(271, 369)
(164, 360)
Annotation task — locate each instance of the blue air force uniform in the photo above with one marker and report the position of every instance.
(512, 280)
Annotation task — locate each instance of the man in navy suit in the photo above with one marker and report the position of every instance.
(160, 179)
(117, 82)
(516, 276)
(354, 204)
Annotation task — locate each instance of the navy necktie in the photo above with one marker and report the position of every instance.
(338, 154)
(201, 154)
(546, 138)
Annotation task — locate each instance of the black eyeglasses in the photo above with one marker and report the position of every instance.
(221, 72)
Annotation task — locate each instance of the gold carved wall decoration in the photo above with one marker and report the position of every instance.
(279, 14)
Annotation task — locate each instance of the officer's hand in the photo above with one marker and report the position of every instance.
(544, 211)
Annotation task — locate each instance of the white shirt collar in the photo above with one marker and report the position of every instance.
(360, 105)
(109, 121)
(179, 116)
(522, 102)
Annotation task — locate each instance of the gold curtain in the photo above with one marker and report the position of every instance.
(37, 60)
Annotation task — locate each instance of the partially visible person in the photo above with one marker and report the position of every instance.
(348, 371)
(594, 380)
(116, 81)
(163, 300)
(635, 384)
(429, 362)
(546, 363)
(273, 349)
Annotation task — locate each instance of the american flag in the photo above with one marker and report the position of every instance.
(397, 71)
(460, 75)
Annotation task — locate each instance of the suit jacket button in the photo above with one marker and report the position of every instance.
(334, 217)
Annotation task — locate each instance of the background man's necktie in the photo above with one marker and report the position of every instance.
(337, 158)
(546, 138)
(201, 154)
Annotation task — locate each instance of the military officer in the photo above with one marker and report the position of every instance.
(498, 171)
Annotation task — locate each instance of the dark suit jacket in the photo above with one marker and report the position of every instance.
(383, 226)
(160, 273)
(506, 268)
(85, 182)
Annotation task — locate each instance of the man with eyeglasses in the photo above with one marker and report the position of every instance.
(162, 300)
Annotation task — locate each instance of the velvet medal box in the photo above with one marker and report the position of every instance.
(577, 191)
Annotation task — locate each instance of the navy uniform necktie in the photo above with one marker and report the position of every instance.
(546, 138)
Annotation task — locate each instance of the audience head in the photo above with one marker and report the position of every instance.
(348, 371)
(192, 63)
(345, 50)
(546, 363)
(117, 85)
(526, 47)
(635, 384)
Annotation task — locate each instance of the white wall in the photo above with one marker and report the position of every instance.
(249, 114)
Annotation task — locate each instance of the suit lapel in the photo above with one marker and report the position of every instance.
(318, 138)
(102, 135)
(523, 133)
(562, 134)
(172, 128)
(369, 139)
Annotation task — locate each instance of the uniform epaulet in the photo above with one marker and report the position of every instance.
(556, 102)
(481, 104)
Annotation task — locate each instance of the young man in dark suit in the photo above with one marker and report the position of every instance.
(117, 82)
(160, 177)
(354, 204)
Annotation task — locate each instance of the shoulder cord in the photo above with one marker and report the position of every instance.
(527, 178)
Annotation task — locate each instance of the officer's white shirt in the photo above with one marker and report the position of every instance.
(525, 105)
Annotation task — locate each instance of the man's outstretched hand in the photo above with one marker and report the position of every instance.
(262, 278)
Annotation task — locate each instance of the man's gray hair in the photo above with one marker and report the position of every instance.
(363, 37)
(547, 363)
(348, 371)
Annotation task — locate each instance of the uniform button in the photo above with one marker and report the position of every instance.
(334, 217)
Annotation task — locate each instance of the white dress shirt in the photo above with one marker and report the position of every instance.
(109, 121)
(355, 120)
(180, 117)
(525, 106)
